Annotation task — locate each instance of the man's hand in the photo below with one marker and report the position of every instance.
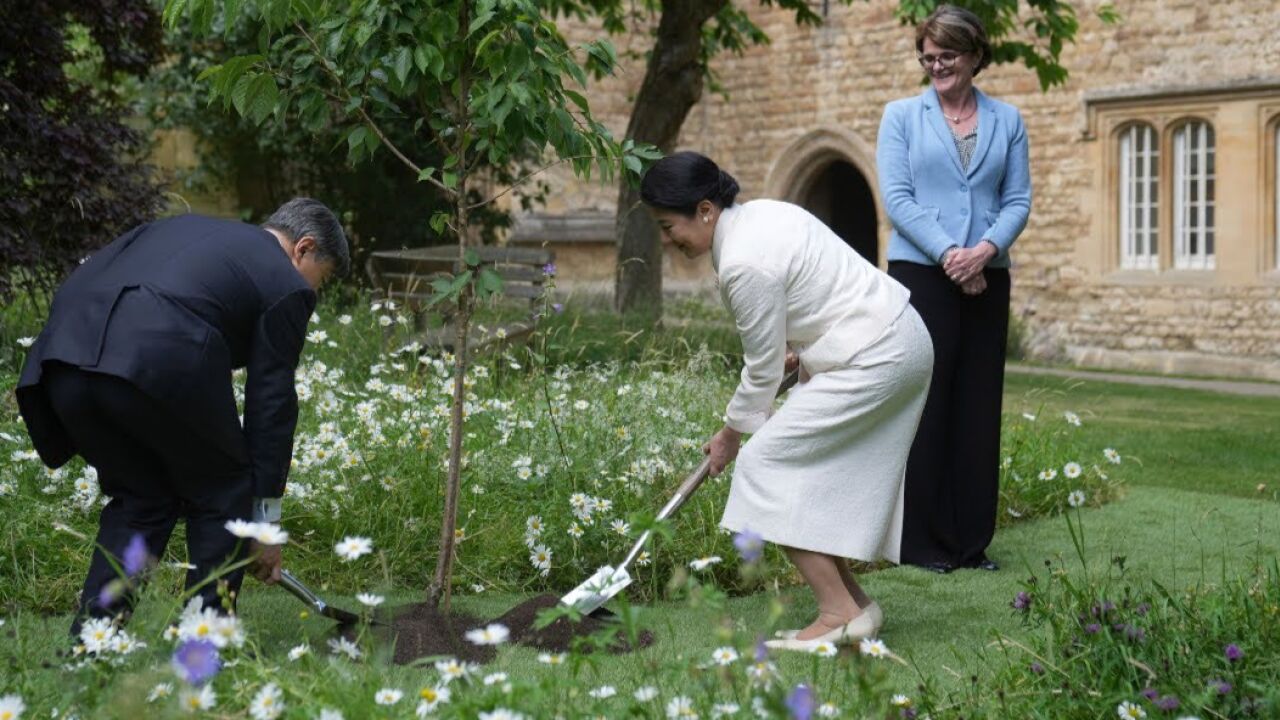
(723, 448)
(791, 363)
(266, 562)
(962, 264)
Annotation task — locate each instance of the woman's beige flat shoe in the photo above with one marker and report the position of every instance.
(872, 611)
(856, 629)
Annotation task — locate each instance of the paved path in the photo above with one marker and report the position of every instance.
(1235, 387)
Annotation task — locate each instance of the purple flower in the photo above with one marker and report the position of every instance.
(1135, 633)
(1150, 693)
(800, 703)
(136, 555)
(196, 661)
(1168, 703)
(1037, 668)
(1143, 609)
(1222, 688)
(762, 650)
(110, 593)
(1233, 652)
(557, 307)
(1092, 628)
(907, 713)
(549, 269)
(750, 545)
(1021, 601)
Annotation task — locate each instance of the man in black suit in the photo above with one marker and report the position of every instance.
(132, 371)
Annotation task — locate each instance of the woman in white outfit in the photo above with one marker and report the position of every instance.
(823, 475)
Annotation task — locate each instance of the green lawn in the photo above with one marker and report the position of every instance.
(1185, 439)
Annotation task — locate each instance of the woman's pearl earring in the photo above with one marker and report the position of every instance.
(706, 218)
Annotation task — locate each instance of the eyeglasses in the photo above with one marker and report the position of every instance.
(946, 59)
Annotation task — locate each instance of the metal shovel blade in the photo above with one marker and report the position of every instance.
(597, 590)
(304, 593)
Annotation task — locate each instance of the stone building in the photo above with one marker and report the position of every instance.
(1152, 243)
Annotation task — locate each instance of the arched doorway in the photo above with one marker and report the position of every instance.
(841, 197)
(832, 173)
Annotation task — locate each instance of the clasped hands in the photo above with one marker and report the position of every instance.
(964, 266)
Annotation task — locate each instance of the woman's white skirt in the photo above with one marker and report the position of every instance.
(825, 473)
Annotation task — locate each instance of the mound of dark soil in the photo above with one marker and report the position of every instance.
(559, 636)
(421, 630)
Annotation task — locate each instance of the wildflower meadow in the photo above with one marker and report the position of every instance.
(572, 443)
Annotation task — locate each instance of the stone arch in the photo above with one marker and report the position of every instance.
(823, 162)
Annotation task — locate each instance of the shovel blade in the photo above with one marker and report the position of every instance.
(597, 590)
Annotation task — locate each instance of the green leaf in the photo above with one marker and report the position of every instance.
(471, 257)
(450, 180)
(264, 96)
(577, 99)
(439, 220)
(174, 10)
(403, 64)
(356, 138)
(632, 163)
(422, 59)
(489, 282)
(426, 173)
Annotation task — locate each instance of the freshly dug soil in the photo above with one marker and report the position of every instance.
(421, 630)
(559, 635)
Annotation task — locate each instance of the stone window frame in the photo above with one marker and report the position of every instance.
(1269, 122)
(1136, 233)
(1253, 242)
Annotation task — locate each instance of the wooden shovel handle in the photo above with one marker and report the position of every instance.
(700, 474)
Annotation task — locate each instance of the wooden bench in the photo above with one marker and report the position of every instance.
(406, 276)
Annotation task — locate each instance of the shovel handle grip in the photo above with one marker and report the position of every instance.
(300, 591)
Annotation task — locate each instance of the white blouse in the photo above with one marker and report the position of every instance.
(789, 280)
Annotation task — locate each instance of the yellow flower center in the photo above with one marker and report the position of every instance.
(202, 630)
(429, 694)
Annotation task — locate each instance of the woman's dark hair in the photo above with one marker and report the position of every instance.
(956, 29)
(678, 182)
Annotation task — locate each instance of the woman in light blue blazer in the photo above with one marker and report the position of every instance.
(955, 181)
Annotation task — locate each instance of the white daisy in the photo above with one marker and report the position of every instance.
(493, 634)
(551, 658)
(267, 704)
(621, 527)
(541, 558)
(387, 696)
(1076, 498)
(900, 700)
(495, 678)
(1112, 456)
(343, 646)
(724, 656)
(159, 692)
(431, 698)
(603, 692)
(827, 709)
(330, 714)
(269, 534)
(1072, 470)
(242, 528)
(26, 342)
(353, 547)
(451, 669)
(369, 599)
(96, 634)
(703, 563)
(720, 710)
(645, 694)
(299, 651)
(873, 648)
(824, 649)
(1049, 474)
(1129, 711)
(344, 319)
(501, 714)
(192, 700)
(680, 707)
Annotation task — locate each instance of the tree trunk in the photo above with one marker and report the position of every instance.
(672, 86)
(440, 591)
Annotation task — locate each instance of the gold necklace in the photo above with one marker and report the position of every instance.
(956, 119)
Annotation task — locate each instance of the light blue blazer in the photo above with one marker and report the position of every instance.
(931, 201)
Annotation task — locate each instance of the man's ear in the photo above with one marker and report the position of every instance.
(306, 244)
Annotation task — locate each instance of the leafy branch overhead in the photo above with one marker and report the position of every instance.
(361, 64)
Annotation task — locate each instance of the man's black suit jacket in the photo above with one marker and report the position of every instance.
(172, 307)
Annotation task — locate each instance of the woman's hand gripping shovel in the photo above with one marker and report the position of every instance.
(608, 581)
